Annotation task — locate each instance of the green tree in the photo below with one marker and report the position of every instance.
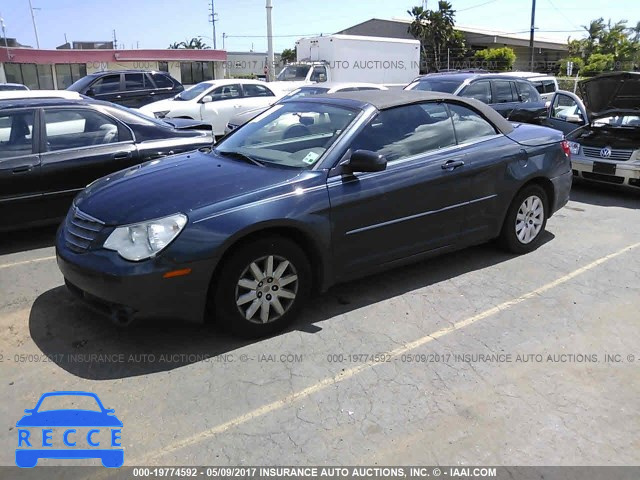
(195, 43)
(598, 63)
(434, 29)
(578, 64)
(501, 59)
(288, 55)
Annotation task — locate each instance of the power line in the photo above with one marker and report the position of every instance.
(476, 6)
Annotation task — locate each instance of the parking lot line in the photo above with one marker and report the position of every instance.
(26, 262)
(346, 374)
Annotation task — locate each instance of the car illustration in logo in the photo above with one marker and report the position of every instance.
(84, 433)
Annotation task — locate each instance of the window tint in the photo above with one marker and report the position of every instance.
(366, 88)
(257, 91)
(478, 90)
(16, 134)
(405, 131)
(226, 92)
(71, 128)
(527, 92)
(502, 91)
(469, 125)
(549, 86)
(162, 81)
(539, 86)
(316, 75)
(106, 84)
(134, 81)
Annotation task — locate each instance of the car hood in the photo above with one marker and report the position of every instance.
(180, 183)
(69, 418)
(187, 124)
(159, 106)
(611, 94)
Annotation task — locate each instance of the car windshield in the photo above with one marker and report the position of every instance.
(69, 402)
(619, 121)
(294, 72)
(292, 134)
(193, 92)
(435, 85)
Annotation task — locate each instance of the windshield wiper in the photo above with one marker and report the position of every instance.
(240, 156)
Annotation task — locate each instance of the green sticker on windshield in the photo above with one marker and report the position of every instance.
(310, 158)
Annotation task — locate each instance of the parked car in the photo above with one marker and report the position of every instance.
(215, 102)
(390, 177)
(546, 85)
(327, 87)
(131, 88)
(7, 87)
(603, 128)
(51, 148)
(514, 98)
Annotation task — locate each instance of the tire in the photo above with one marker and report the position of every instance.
(526, 220)
(251, 301)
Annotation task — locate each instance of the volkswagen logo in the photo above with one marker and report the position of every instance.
(605, 152)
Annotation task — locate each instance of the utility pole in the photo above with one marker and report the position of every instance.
(35, 29)
(213, 23)
(115, 40)
(224, 35)
(533, 26)
(4, 33)
(270, 55)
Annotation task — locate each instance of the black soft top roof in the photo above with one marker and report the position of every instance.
(385, 99)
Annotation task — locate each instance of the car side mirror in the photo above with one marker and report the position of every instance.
(207, 99)
(90, 92)
(365, 161)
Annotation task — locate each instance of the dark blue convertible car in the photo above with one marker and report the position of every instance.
(310, 193)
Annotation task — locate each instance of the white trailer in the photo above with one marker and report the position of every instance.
(351, 58)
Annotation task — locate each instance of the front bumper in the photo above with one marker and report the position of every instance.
(118, 288)
(625, 173)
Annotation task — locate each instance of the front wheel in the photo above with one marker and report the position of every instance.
(262, 286)
(526, 220)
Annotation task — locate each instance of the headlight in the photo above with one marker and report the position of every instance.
(146, 239)
(574, 147)
(161, 114)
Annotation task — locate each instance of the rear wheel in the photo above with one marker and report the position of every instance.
(262, 286)
(526, 220)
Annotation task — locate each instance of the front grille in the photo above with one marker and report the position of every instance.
(80, 230)
(616, 154)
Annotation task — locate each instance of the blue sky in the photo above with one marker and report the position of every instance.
(157, 23)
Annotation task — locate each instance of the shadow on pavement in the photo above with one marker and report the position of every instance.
(87, 345)
(25, 240)
(604, 195)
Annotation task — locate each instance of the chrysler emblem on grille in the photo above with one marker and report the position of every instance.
(605, 152)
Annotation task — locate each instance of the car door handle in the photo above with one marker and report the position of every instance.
(452, 165)
(22, 169)
(121, 155)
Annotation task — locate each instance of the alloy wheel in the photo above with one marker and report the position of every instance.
(267, 289)
(529, 219)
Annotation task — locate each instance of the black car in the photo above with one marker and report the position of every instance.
(7, 87)
(369, 181)
(515, 98)
(51, 148)
(131, 88)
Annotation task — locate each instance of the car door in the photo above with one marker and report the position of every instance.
(137, 90)
(107, 88)
(504, 97)
(219, 105)
(480, 90)
(79, 146)
(415, 205)
(566, 113)
(20, 186)
(164, 87)
(530, 107)
(488, 154)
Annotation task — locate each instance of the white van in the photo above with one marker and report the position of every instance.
(546, 85)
